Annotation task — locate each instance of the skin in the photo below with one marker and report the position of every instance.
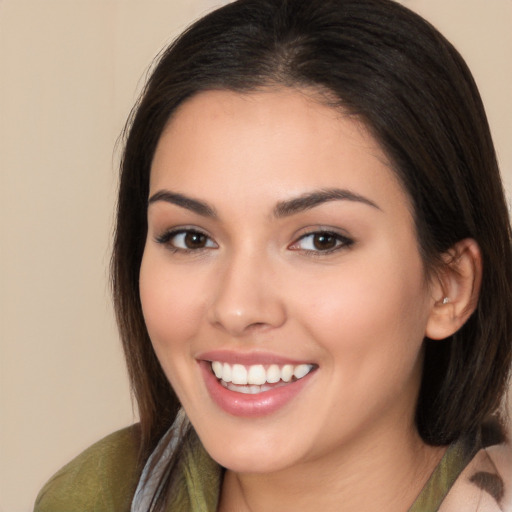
(359, 313)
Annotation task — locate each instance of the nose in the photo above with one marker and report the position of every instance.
(247, 296)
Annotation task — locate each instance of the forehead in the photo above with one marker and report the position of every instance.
(227, 144)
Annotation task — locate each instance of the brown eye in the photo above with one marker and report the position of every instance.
(186, 240)
(195, 240)
(324, 241)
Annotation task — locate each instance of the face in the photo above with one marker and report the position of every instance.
(281, 282)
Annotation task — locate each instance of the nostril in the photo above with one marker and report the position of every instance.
(257, 325)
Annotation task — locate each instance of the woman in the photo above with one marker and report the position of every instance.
(311, 273)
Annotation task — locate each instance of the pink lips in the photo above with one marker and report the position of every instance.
(249, 405)
(247, 358)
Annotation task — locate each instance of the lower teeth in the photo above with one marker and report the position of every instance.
(251, 389)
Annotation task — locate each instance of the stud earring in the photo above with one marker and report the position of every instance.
(446, 300)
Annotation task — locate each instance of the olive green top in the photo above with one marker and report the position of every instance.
(102, 478)
(105, 476)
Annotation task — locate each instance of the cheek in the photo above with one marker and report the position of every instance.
(370, 326)
(372, 311)
(172, 303)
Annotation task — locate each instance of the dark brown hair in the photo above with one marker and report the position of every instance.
(415, 93)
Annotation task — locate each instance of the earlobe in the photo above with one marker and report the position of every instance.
(456, 289)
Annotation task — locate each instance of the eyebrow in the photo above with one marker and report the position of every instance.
(194, 205)
(282, 208)
(316, 198)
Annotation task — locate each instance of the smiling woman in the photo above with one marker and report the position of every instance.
(312, 274)
(264, 295)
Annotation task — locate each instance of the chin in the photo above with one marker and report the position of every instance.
(243, 456)
(257, 462)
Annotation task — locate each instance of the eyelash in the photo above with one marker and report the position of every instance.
(167, 237)
(340, 241)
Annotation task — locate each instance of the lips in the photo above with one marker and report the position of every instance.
(244, 389)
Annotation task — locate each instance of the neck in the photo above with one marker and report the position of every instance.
(386, 475)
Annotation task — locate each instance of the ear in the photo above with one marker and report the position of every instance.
(455, 289)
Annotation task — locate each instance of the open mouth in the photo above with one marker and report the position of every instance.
(258, 378)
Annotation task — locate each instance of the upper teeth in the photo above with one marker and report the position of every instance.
(257, 374)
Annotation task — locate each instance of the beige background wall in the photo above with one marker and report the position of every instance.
(69, 72)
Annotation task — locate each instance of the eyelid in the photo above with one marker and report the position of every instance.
(343, 241)
(167, 235)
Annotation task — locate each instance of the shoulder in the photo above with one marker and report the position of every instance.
(102, 478)
(485, 483)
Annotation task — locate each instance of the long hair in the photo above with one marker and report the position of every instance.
(414, 92)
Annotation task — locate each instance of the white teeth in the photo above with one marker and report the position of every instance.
(287, 372)
(254, 377)
(301, 371)
(217, 369)
(239, 374)
(247, 390)
(226, 373)
(273, 374)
